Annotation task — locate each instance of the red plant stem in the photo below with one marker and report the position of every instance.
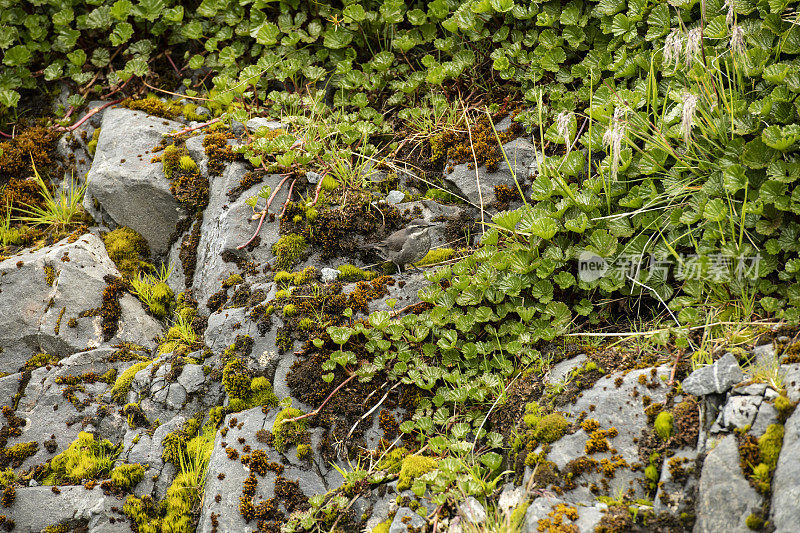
(199, 126)
(264, 212)
(118, 89)
(69, 112)
(318, 409)
(6, 135)
(288, 199)
(319, 188)
(172, 63)
(87, 116)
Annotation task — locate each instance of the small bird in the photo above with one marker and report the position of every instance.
(407, 245)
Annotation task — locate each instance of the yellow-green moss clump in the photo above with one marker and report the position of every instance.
(413, 467)
(392, 461)
(436, 256)
(664, 425)
(162, 300)
(770, 444)
(329, 183)
(128, 249)
(152, 105)
(288, 433)
(288, 250)
(187, 164)
(784, 406)
(85, 459)
(350, 273)
(383, 527)
(754, 522)
(123, 382)
(125, 477)
(244, 392)
(303, 451)
(551, 428)
(39, 360)
(91, 146)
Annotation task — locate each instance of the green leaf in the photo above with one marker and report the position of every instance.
(354, 12)
(715, 210)
(121, 34)
(77, 57)
(9, 98)
(734, 178)
(268, 34)
(417, 17)
(99, 18)
(502, 6)
(781, 138)
(603, 243)
(544, 228)
(392, 11)
(17, 56)
(337, 38)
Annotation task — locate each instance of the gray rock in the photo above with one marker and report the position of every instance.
(725, 498)
(740, 411)
(192, 378)
(395, 197)
(36, 508)
(588, 517)
(39, 319)
(329, 275)
(767, 415)
(229, 486)
(254, 124)
(473, 511)
(559, 372)
(520, 152)
(784, 511)
(313, 177)
(202, 111)
(764, 352)
(129, 188)
(717, 378)
(791, 380)
(674, 494)
(226, 225)
(176, 396)
(413, 520)
(753, 389)
(611, 406)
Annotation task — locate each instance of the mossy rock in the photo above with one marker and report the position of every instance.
(412, 467)
(127, 249)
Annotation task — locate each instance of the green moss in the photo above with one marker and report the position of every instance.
(123, 383)
(289, 433)
(289, 310)
(288, 250)
(233, 279)
(329, 183)
(85, 459)
(784, 406)
(125, 477)
(283, 278)
(162, 300)
(770, 444)
(280, 295)
(311, 214)
(442, 196)
(261, 393)
(414, 466)
(761, 477)
(531, 416)
(127, 249)
(392, 461)
(383, 527)
(349, 273)
(303, 451)
(664, 425)
(754, 522)
(236, 380)
(17, 453)
(170, 160)
(551, 428)
(40, 360)
(91, 146)
(436, 256)
(651, 474)
(305, 324)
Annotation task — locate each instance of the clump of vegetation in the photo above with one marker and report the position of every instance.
(285, 434)
(126, 476)
(244, 391)
(288, 250)
(123, 382)
(412, 467)
(350, 273)
(664, 425)
(128, 249)
(435, 256)
(85, 459)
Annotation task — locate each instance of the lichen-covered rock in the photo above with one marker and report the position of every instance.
(521, 154)
(55, 302)
(785, 511)
(725, 498)
(129, 188)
